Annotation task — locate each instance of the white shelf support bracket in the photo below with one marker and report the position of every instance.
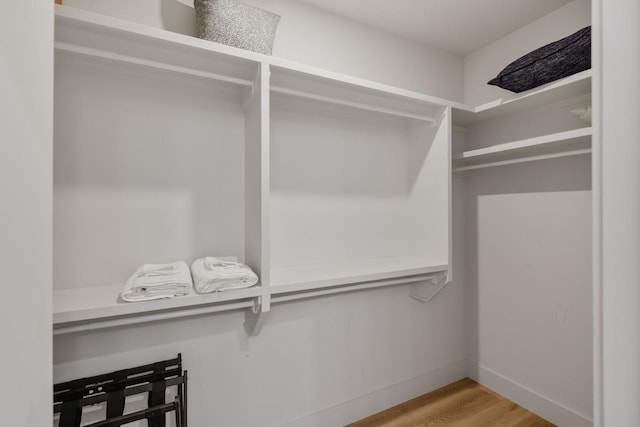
(256, 79)
(436, 122)
(255, 316)
(426, 290)
(250, 93)
(438, 118)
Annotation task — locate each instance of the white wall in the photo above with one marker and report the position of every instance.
(26, 84)
(315, 37)
(617, 86)
(530, 283)
(379, 346)
(161, 206)
(485, 63)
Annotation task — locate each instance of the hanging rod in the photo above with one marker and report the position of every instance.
(525, 160)
(67, 47)
(358, 105)
(297, 295)
(152, 317)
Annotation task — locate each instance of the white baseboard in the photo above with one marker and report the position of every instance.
(527, 398)
(382, 399)
(387, 397)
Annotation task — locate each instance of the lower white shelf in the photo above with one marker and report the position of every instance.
(561, 144)
(83, 305)
(98, 307)
(296, 279)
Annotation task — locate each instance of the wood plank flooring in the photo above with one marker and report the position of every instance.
(464, 403)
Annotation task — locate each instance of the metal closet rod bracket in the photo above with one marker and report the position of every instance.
(255, 316)
(426, 290)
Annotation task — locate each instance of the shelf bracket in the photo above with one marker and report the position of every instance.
(438, 118)
(256, 79)
(426, 290)
(251, 90)
(254, 316)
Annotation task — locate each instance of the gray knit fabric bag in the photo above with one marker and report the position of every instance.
(236, 24)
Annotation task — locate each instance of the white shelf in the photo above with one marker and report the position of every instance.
(100, 306)
(422, 116)
(297, 80)
(287, 73)
(82, 36)
(560, 144)
(303, 278)
(569, 87)
(92, 35)
(102, 302)
(84, 33)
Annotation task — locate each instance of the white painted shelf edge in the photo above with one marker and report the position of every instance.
(357, 105)
(569, 87)
(559, 144)
(311, 277)
(382, 88)
(516, 146)
(553, 86)
(101, 302)
(123, 30)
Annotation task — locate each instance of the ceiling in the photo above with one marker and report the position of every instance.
(456, 26)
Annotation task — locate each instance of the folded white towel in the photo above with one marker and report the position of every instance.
(156, 281)
(221, 274)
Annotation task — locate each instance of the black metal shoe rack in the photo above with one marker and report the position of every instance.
(70, 397)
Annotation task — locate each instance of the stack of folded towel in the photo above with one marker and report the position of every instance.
(156, 281)
(220, 274)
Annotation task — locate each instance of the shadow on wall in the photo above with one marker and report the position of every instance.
(178, 16)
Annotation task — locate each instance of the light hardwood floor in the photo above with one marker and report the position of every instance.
(464, 403)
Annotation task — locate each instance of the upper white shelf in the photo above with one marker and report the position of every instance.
(101, 302)
(297, 80)
(569, 87)
(577, 141)
(303, 278)
(89, 34)
(93, 35)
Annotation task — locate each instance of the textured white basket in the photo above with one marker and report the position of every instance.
(236, 24)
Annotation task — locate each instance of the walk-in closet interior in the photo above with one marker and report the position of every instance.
(410, 224)
(408, 230)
